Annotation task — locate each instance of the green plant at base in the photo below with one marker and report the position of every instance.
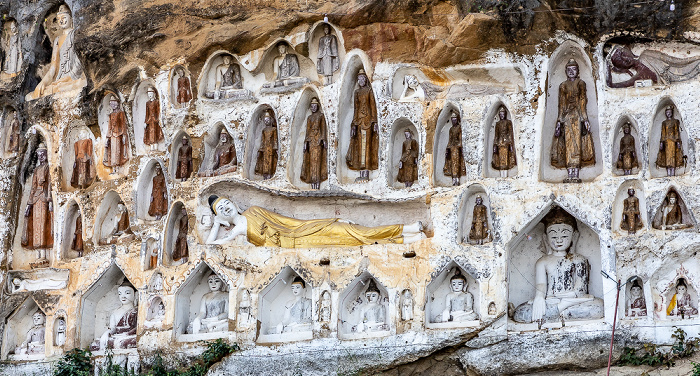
(696, 369)
(75, 363)
(650, 355)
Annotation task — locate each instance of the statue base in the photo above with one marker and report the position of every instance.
(41, 263)
(230, 94)
(361, 180)
(572, 180)
(283, 86)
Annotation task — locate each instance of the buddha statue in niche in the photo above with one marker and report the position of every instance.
(77, 242)
(681, 303)
(372, 311)
(670, 145)
(636, 304)
(38, 216)
(180, 249)
(156, 313)
(84, 170)
(297, 311)
(153, 134)
(266, 228)
(266, 162)
(408, 164)
(328, 58)
(117, 138)
(158, 206)
(314, 169)
(572, 142)
(363, 151)
(459, 303)
(213, 310)
(12, 48)
(561, 277)
(121, 229)
(479, 230)
(671, 216)
(14, 133)
(631, 218)
(454, 155)
(325, 311)
(245, 315)
(225, 159)
(152, 249)
(651, 66)
(121, 332)
(285, 66)
(183, 169)
(35, 339)
(61, 328)
(228, 79)
(412, 90)
(406, 303)
(184, 91)
(627, 157)
(503, 144)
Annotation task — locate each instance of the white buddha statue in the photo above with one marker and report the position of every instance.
(35, 339)
(297, 311)
(121, 333)
(459, 303)
(372, 311)
(213, 311)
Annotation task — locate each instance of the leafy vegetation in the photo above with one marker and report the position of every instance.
(650, 354)
(75, 363)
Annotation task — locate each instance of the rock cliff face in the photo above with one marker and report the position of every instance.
(467, 58)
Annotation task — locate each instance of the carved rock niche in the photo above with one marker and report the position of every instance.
(73, 238)
(298, 135)
(315, 34)
(60, 330)
(442, 136)
(68, 157)
(98, 305)
(655, 139)
(107, 220)
(356, 60)
(211, 141)
(528, 246)
(398, 137)
(155, 313)
(638, 304)
(556, 74)
(175, 154)
(360, 318)
(6, 144)
(245, 317)
(210, 73)
(407, 85)
(466, 217)
(619, 205)
(638, 142)
(450, 303)
(666, 283)
(103, 111)
(674, 217)
(16, 333)
(194, 301)
(254, 141)
(138, 115)
(151, 254)
(270, 62)
(285, 309)
(181, 89)
(145, 190)
(492, 118)
(174, 240)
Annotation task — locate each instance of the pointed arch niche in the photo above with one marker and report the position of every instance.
(175, 154)
(211, 140)
(17, 324)
(144, 189)
(103, 111)
(298, 135)
(442, 136)
(314, 36)
(638, 312)
(174, 85)
(207, 79)
(73, 247)
(638, 142)
(151, 255)
(254, 139)
(466, 214)
(489, 134)
(556, 74)
(8, 116)
(655, 139)
(266, 66)
(687, 220)
(351, 308)
(355, 61)
(68, 155)
(438, 296)
(138, 114)
(619, 205)
(276, 301)
(172, 234)
(663, 287)
(107, 220)
(396, 148)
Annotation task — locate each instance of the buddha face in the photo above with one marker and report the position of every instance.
(407, 134)
(38, 318)
(626, 128)
(227, 60)
(114, 104)
(151, 95)
(560, 236)
(326, 29)
(636, 292)
(185, 141)
(16, 281)
(297, 288)
(64, 20)
(672, 199)
(215, 283)
(282, 49)
(372, 296)
(41, 156)
(180, 72)
(502, 113)
(83, 134)
(13, 28)
(225, 208)
(630, 192)
(362, 80)
(572, 71)
(159, 171)
(267, 120)
(457, 285)
(681, 290)
(314, 107)
(126, 294)
(479, 201)
(121, 208)
(669, 113)
(622, 58)
(411, 81)
(223, 137)
(455, 121)
(161, 309)
(61, 325)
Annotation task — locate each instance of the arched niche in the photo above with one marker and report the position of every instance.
(98, 303)
(211, 141)
(442, 136)
(666, 209)
(490, 121)
(315, 34)
(528, 246)
(617, 137)
(208, 77)
(145, 191)
(466, 215)
(69, 168)
(73, 233)
(10, 134)
(188, 305)
(17, 325)
(151, 256)
(244, 317)
(138, 114)
(107, 229)
(279, 308)
(440, 295)
(664, 283)
(355, 60)
(178, 221)
(175, 153)
(353, 306)
(60, 330)
(254, 140)
(406, 84)
(103, 111)
(556, 74)
(655, 139)
(638, 303)
(155, 312)
(398, 128)
(298, 135)
(619, 205)
(12, 45)
(180, 84)
(307, 69)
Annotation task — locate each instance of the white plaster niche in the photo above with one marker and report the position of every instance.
(176, 243)
(202, 306)
(102, 308)
(181, 88)
(285, 309)
(24, 337)
(490, 132)
(471, 231)
(19, 281)
(298, 137)
(72, 241)
(442, 136)
(103, 111)
(284, 68)
(145, 191)
(175, 154)
(529, 247)
(155, 313)
(316, 45)
(151, 255)
(619, 164)
(68, 156)
(60, 330)
(212, 141)
(453, 299)
(556, 74)
(245, 318)
(112, 221)
(638, 304)
(364, 309)
(10, 143)
(672, 212)
(655, 141)
(618, 212)
(674, 290)
(408, 85)
(398, 136)
(224, 78)
(138, 114)
(355, 61)
(254, 140)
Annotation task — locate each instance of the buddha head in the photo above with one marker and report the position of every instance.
(61, 325)
(282, 49)
(458, 283)
(362, 78)
(127, 293)
(314, 106)
(622, 57)
(215, 283)
(636, 290)
(372, 293)
(16, 282)
(454, 119)
(478, 200)
(64, 18)
(113, 103)
(151, 93)
(572, 69)
(559, 229)
(492, 309)
(83, 134)
(227, 59)
(267, 119)
(41, 154)
(672, 197)
(38, 318)
(298, 286)
(408, 134)
(681, 287)
(627, 128)
(121, 208)
(502, 112)
(410, 81)
(326, 29)
(161, 309)
(222, 206)
(630, 192)
(223, 137)
(669, 111)
(180, 72)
